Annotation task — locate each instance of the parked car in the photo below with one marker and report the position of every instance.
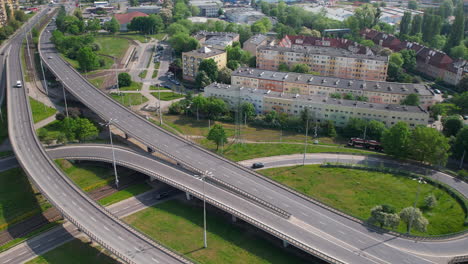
(257, 165)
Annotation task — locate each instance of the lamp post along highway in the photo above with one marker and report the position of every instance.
(65, 98)
(108, 124)
(420, 181)
(203, 179)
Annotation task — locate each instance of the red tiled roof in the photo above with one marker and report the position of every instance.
(126, 18)
(289, 40)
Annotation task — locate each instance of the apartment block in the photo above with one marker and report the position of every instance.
(191, 60)
(12, 4)
(254, 42)
(326, 61)
(217, 40)
(322, 109)
(321, 86)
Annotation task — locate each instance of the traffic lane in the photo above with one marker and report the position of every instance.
(8, 163)
(303, 233)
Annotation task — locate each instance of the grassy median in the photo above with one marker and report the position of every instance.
(356, 191)
(180, 226)
(168, 96)
(128, 99)
(40, 111)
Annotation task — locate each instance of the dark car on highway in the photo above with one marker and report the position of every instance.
(257, 165)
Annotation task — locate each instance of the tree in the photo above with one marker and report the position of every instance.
(87, 59)
(414, 218)
(367, 42)
(366, 16)
(182, 42)
(461, 142)
(384, 215)
(461, 101)
(176, 28)
(409, 59)
(224, 75)
(405, 24)
(199, 103)
(194, 10)
(375, 130)
(460, 51)
(355, 127)
(85, 129)
(430, 201)
(452, 124)
(396, 140)
(216, 107)
(20, 15)
(446, 8)
(412, 4)
(458, 28)
(112, 25)
(396, 59)
(428, 145)
(416, 25)
(330, 129)
(210, 67)
(283, 67)
(411, 99)
(124, 79)
(309, 32)
(248, 110)
(93, 25)
(133, 2)
(202, 79)
(217, 135)
(385, 52)
(301, 68)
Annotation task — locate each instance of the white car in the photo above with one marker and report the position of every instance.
(18, 84)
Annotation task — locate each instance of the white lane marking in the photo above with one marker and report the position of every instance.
(341, 232)
(94, 219)
(81, 209)
(322, 223)
(64, 194)
(304, 214)
(121, 238)
(137, 249)
(105, 227)
(20, 254)
(73, 202)
(285, 205)
(126, 207)
(360, 241)
(8, 260)
(50, 240)
(36, 246)
(155, 260)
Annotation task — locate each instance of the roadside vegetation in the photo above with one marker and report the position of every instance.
(167, 96)
(3, 124)
(179, 226)
(97, 82)
(356, 192)
(129, 99)
(154, 87)
(75, 252)
(131, 191)
(40, 111)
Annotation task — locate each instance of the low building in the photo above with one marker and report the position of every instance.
(254, 42)
(311, 85)
(144, 9)
(290, 41)
(211, 10)
(243, 15)
(322, 109)
(326, 61)
(125, 19)
(101, 4)
(217, 40)
(191, 60)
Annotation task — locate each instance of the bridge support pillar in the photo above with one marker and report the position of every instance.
(127, 136)
(150, 150)
(285, 243)
(233, 218)
(188, 196)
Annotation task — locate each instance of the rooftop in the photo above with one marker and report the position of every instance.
(126, 18)
(372, 86)
(203, 52)
(257, 39)
(318, 100)
(325, 51)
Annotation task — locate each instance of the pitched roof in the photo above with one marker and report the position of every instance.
(126, 18)
(346, 44)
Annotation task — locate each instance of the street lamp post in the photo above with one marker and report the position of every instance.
(202, 178)
(108, 124)
(420, 181)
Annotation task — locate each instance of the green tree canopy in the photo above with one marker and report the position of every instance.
(414, 218)
(412, 4)
(405, 24)
(396, 140)
(124, 79)
(224, 75)
(301, 68)
(385, 216)
(87, 59)
(210, 67)
(430, 146)
(248, 110)
(217, 135)
(452, 124)
(112, 25)
(458, 28)
(411, 99)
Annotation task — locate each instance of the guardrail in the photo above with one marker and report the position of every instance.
(459, 259)
(228, 209)
(80, 193)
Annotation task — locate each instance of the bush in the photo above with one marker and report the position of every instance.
(124, 79)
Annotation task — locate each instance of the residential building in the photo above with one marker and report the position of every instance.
(210, 10)
(12, 4)
(101, 3)
(326, 61)
(125, 19)
(254, 42)
(322, 109)
(431, 62)
(320, 86)
(151, 9)
(217, 40)
(300, 41)
(242, 15)
(191, 60)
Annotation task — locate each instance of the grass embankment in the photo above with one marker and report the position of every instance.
(3, 124)
(32, 234)
(356, 192)
(74, 252)
(134, 86)
(40, 111)
(97, 82)
(155, 71)
(112, 46)
(156, 88)
(89, 176)
(18, 200)
(180, 226)
(168, 96)
(126, 193)
(128, 99)
(107, 64)
(143, 74)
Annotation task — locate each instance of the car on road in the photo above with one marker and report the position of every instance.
(437, 91)
(50, 57)
(257, 165)
(19, 84)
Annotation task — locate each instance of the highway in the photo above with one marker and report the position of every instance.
(346, 240)
(91, 218)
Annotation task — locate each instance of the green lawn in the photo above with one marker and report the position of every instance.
(88, 176)
(31, 234)
(128, 192)
(143, 74)
(97, 82)
(18, 200)
(40, 111)
(128, 99)
(168, 96)
(133, 87)
(6, 154)
(74, 63)
(158, 36)
(3, 124)
(53, 129)
(112, 46)
(155, 74)
(180, 226)
(74, 252)
(155, 88)
(356, 191)
(134, 36)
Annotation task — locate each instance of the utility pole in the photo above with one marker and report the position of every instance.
(65, 98)
(43, 77)
(420, 181)
(108, 124)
